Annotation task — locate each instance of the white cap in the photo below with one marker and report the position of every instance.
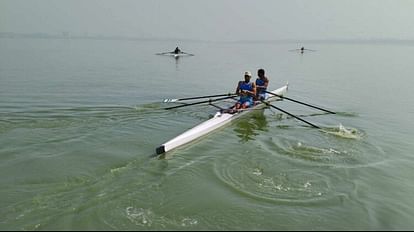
(247, 73)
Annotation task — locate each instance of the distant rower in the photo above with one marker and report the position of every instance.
(176, 53)
(302, 50)
(177, 50)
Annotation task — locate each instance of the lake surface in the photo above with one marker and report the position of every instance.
(80, 121)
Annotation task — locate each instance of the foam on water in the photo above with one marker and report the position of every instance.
(343, 132)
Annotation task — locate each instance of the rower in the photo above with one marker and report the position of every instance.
(177, 50)
(261, 85)
(246, 90)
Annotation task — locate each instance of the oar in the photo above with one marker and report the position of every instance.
(192, 98)
(200, 102)
(188, 53)
(268, 104)
(163, 53)
(303, 103)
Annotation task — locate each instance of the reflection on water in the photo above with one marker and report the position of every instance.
(177, 62)
(248, 128)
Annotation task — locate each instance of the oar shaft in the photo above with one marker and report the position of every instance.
(303, 103)
(268, 104)
(201, 102)
(217, 95)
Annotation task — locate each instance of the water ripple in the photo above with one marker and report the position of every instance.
(261, 181)
(326, 150)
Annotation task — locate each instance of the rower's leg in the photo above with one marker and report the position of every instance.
(232, 109)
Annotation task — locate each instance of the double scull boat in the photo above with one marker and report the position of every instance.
(220, 119)
(175, 55)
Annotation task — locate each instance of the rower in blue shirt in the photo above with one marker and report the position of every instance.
(247, 90)
(261, 85)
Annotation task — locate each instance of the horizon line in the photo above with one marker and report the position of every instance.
(65, 35)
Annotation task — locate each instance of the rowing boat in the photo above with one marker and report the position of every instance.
(175, 55)
(220, 119)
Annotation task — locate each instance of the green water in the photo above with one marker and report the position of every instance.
(80, 121)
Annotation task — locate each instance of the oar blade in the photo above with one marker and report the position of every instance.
(170, 100)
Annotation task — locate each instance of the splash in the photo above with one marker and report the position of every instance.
(118, 170)
(188, 222)
(142, 217)
(257, 172)
(343, 132)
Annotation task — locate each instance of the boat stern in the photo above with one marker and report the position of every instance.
(160, 150)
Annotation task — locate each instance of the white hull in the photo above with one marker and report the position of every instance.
(219, 120)
(176, 55)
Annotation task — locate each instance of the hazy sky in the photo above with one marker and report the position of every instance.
(219, 20)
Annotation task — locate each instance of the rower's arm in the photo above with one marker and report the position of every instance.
(266, 83)
(239, 91)
(238, 88)
(253, 92)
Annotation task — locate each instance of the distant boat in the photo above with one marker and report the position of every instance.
(176, 53)
(302, 50)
